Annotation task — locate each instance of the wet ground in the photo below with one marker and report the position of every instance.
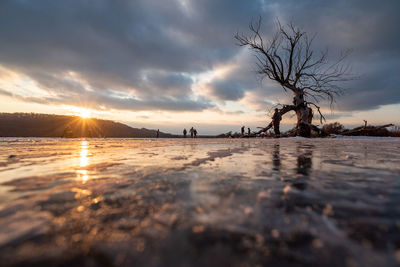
(213, 202)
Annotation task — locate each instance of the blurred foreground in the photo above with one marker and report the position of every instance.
(196, 202)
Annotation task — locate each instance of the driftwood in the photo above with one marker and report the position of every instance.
(264, 129)
(368, 130)
(358, 131)
(293, 132)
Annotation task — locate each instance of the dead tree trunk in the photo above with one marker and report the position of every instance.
(304, 120)
(304, 114)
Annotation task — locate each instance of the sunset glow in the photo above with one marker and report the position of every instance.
(199, 133)
(133, 76)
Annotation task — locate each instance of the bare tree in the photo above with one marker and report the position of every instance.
(289, 60)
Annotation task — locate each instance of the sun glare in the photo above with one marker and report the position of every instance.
(85, 114)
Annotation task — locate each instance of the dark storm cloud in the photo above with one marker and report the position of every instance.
(170, 84)
(149, 49)
(369, 28)
(228, 90)
(243, 78)
(144, 47)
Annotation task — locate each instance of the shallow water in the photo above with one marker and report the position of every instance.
(184, 202)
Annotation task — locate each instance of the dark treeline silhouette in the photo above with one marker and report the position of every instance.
(46, 125)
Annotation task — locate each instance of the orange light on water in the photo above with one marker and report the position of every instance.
(84, 161)
(82, 175)
(84, 154)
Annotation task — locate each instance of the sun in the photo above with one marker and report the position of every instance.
(85, 114)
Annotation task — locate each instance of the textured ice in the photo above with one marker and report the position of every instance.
(185, 202)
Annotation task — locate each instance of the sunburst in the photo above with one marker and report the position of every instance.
(85, 114)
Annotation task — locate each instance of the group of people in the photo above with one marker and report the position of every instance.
(276, 118)
(242, 130)
(192, 131)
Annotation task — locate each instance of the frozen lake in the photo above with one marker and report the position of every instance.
(185, 202)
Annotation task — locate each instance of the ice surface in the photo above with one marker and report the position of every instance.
(185, 202)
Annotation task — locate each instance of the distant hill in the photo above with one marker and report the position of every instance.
(45, 125)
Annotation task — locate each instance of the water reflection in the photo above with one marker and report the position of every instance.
(84, 154)
(152, 196)
(304, 160)
(276, 160)
(303, 164)
(84, 161)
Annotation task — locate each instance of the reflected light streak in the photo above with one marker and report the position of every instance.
(84, 153)
(84, 161)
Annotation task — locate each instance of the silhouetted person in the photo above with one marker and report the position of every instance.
(191, 132)
(184, 133)
(248, 131)
(276, 120)
(242, 130)
(195, 133)
(158, 133)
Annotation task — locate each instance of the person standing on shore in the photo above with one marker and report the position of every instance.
(242, 130)
(276, 119)
(191, 132)
(248, 131)
(195, 133)
(184, 133)
(158, 133)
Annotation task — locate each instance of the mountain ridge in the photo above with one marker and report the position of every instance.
(51, 125)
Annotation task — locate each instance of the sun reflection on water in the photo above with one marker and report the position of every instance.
(84, 154)
(84, 161)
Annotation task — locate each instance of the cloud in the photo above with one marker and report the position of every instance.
(370, 30)
(144, 54)
(105, 100)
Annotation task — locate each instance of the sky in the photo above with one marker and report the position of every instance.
(173, 64)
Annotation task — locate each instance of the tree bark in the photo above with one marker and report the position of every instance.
(304, 114)
(304, 120)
